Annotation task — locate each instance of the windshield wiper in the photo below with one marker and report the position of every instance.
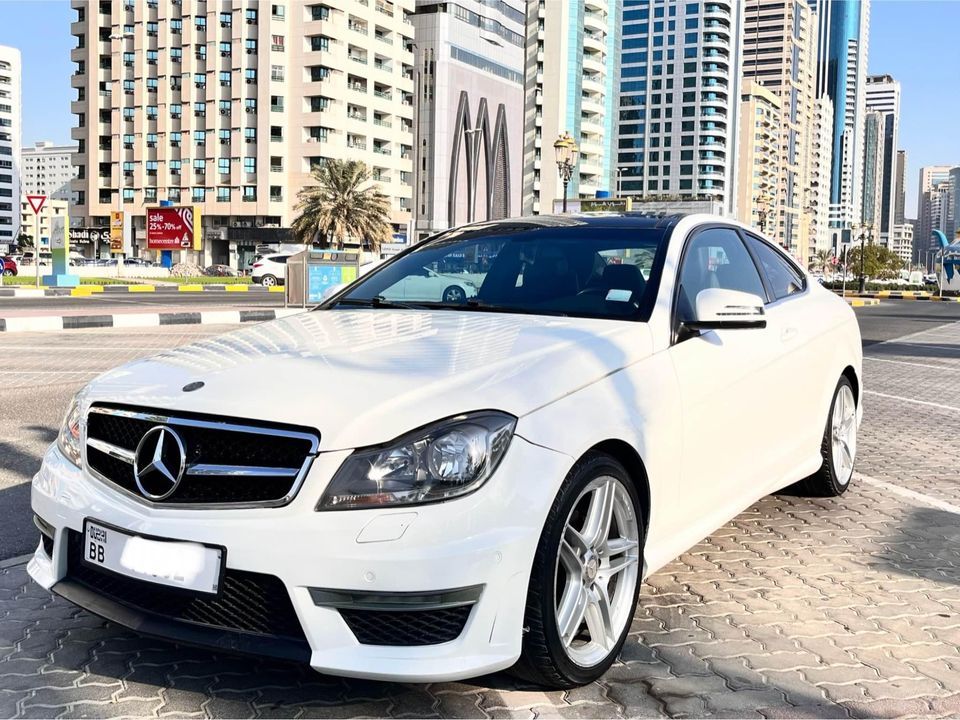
(477, 305)
(377, 301)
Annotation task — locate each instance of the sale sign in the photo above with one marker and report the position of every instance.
(173, 228)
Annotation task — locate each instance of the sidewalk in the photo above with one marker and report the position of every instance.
(31, 320)
(85, 290)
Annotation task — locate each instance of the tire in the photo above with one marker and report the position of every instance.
(453, 294)
(839, 458)
(8, 272)
(547, 658)
(268, 280)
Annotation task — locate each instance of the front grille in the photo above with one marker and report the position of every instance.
(409, 627)
(248, 602)
(227, 462)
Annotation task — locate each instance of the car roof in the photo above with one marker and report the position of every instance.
(574, 220)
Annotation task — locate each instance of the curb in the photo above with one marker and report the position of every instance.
(56, 323)
(861, 302)
(14, 561)
(87, 290)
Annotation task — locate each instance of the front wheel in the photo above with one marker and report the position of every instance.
(8, 272)
(268, 281)
(838, 447)
(454, 294)
(585, 578)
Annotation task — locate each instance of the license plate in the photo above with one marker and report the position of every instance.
(185, 565)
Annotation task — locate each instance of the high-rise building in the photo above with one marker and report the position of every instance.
(819, 165)
(572, 70)
(930, 177)
(843, 42)
(679, 100)
(48, 170)
(228, 107)
(469, 112)
(883, 96)
(10, 140)
(900, 185)
(759, 157)
(941, 207)
(954, 204)
(779, 52)
(901, 241)
(871, 208)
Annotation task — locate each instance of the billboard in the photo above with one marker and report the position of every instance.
(88, 235)
(173, 228)
(116, 231)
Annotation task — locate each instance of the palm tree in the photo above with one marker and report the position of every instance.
(343, 204)
(821, 260)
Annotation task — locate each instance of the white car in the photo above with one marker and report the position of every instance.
(436, 490)
(270, 270)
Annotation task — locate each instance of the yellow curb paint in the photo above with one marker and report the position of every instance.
(141, 288)
(235, 288)
(275, 288)
(863, 302)
(82, 291)
(190, 288)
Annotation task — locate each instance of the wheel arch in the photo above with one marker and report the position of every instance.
(850, 374)
(627, 455)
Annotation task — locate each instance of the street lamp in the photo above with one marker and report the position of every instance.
(865, 229)
(619, 183)
(763, 208)
(567, 151)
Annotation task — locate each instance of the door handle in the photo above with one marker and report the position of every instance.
(788, 334)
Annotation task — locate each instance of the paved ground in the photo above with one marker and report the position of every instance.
(797, 608)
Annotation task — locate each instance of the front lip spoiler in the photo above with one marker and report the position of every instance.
(179, 631)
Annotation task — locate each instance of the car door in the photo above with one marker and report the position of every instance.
(725, 384)
(801, 356)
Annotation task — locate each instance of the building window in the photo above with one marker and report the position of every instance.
(276, 103)
(128, 195)
(224, 137)
(278, 11)
(223, 166)
(250, 134)
(176, 25)
(128, 113)
(250, 105)
(226, 19)
(151, 140)
(128, 141)
(251, 16)
(200, 109)
(151, 57)
(151, 167)
(173, 194)
(175, 166)
(250, 75)
(276, 43)
(176, 110)
(319, 43)
(200, 137)
(201, 23)
(319, 12)
(199, 194)
(225, 78)
(250, 164)
(176, 138)
(249, 193)
(251, 46)
(225, 48)
(223, 194)
(200, 80)
(201, 53)
(276, 73)
(150, 195)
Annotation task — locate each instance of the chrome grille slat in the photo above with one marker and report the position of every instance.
(229, 463)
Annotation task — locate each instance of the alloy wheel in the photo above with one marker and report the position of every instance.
(844, 434)
(453, 294)
(596, 572)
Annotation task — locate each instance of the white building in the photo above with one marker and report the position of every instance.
(572, 67)
(227, 106)
(901, 241)
(883, 96)
(48, 170)
(928, 217)
(469, 116)
(10, 141)
(680, 100)
(820, 160)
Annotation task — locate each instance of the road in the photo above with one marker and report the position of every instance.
(103, 303)
(844, 607)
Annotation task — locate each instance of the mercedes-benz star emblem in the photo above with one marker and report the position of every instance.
(159, 463)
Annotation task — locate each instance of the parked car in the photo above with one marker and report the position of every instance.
(931, 279)
(270, 270)
(137, 262)
(220, 271)
(437, 489)
(45, 258)
(8, 266)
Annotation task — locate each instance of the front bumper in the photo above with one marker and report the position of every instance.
(485, 540)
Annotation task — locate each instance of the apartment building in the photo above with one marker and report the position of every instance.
(931, 177)
(571, 77)
(469, 111)
(872, 204)
(10, 113)
(48, 170)
(819, 163)
(900, 185)
(883, 96)
(759, 157)
(779, 52)
(228, 107)
(32, 223)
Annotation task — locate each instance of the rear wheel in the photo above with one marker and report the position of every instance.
(8, 272)
(585, 578)
(454, 294)
(838, 447)
(268, 281)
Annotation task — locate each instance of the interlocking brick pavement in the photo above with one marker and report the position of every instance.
(799, 607)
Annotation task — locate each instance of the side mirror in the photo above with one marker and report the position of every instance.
(721, 309)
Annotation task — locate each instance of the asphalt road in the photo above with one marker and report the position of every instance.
(101, 302)
(40, 372)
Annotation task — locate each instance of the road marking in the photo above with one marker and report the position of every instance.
(930, 346)
(50, 372)
(916, 334)
(914, 364)
(911, 400)
(909, 494)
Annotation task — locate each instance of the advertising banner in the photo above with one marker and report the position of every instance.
(86, 235)
(173, 228)
(116, 231)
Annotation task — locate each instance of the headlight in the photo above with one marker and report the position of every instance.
(446, 460)
(68, 441)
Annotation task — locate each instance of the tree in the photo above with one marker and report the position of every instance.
(822, 261)
(24, 241)
(343, 205)
(878, 262)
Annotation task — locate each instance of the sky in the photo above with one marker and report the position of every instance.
(913, 40)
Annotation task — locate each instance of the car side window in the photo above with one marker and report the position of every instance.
(715, 258)
(784, 278)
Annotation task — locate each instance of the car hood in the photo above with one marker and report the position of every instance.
(365, 376)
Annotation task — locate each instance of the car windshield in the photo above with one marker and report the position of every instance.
(578, 269)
